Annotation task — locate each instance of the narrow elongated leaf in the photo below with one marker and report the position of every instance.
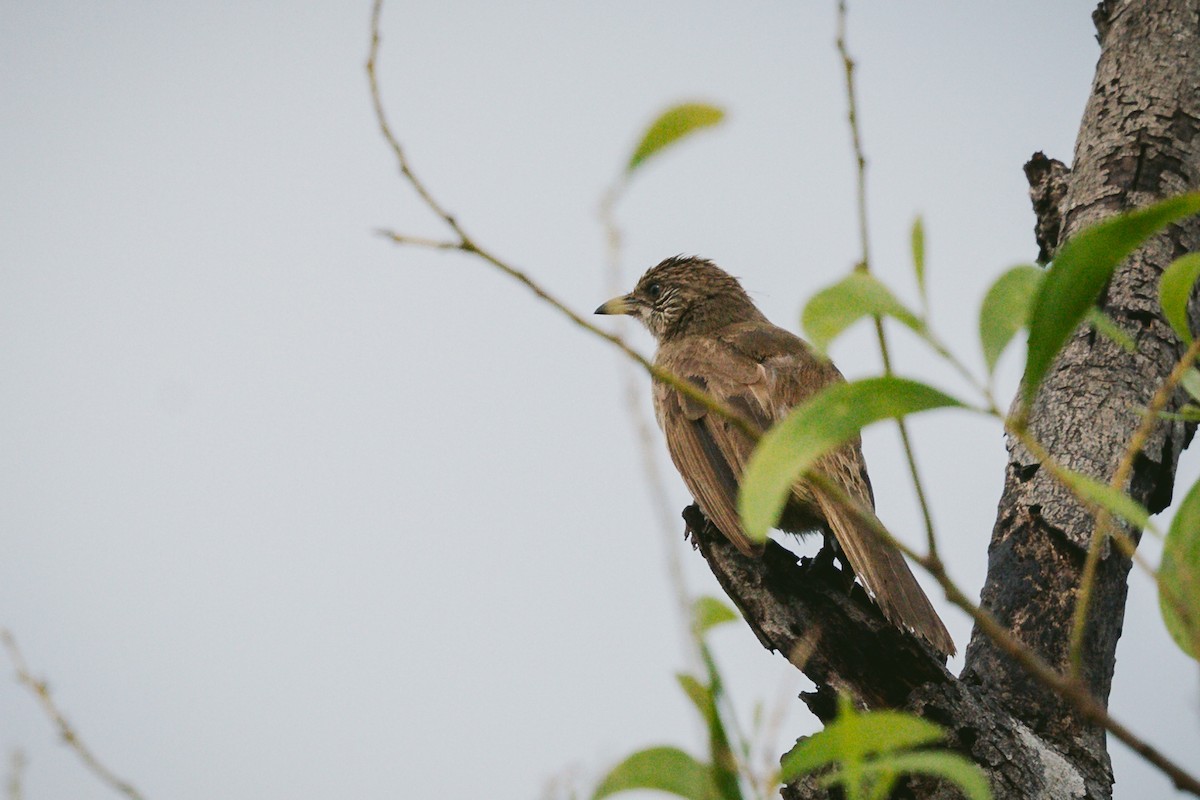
(699, 694)
(667, 769)
(939, 763)
(1188, 413)
(1179, 575)
(1006, 310)
(918, 254)
(1079, 272)
(672, 125)
(1107, 327)
(708, 612)
(829, 418)
(1174, 291)
(1190, 381)
(723, 763)
(1117, 503)
(858, 295)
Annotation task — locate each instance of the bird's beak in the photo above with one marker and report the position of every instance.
(618, 305)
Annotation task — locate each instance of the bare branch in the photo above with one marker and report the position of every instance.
(467, 245)
(643, 432)
(419, 241)
(16, 771)
(865, 264)
(42, 692)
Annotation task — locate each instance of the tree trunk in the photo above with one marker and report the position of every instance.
(1139, 142)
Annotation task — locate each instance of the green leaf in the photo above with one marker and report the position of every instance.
(1179, 575)
(708, 612)
(672, 125)
(1174, 291)
(868, 751)
(826, 420)
(854, 736)
(1116, 502)
(699, 694)
(940, 764)
(1107, 327)
(918, 254)
(828, 746)
(667, 769)
(1188, 413)
(724, 763)
(1006, 310)
(858, 295)
(1190, 381)
(1080, 271)
(890, 731)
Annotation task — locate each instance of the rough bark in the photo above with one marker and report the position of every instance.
(1047, 190)
(842, 642)
(1138, 143)
(826, 626)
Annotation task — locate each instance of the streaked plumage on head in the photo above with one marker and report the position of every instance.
(688, 296)
(709, 332)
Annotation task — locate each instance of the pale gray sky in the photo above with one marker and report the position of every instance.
(290, 512)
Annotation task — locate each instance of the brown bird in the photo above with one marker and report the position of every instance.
(710, 333)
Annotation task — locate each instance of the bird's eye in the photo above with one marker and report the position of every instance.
(654, 290)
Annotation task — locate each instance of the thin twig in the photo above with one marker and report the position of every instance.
(1104, 520)
(467, 245)
(390, 137)
(668, 520)
(865, 264)
(1020, 431)
(419, 241)
(984, 390)
(770, 734)
(42, 692)
(16, 771)
(856, 138)
(1065, 686)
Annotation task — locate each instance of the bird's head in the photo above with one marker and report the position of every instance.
(685, 295)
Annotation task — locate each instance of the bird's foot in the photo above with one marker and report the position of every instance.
(826, 559)
(693, 522)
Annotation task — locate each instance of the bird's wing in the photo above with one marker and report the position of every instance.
(709, 452)
(738, 367)
(792, 374)
(762, 372)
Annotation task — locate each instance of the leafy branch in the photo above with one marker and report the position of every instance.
(462, 242)
(865, 263)
(668, 128)
(865, 754)
(1066, 686)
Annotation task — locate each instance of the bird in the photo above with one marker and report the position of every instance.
(709, 332)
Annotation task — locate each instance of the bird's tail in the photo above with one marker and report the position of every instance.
(885, 574)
